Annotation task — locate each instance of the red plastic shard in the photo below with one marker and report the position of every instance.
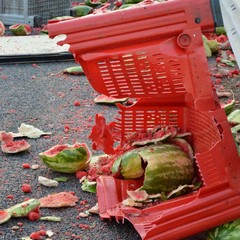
(101, 135)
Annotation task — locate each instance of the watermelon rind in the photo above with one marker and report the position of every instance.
(131, 165)
(76, 157)
(234, 117)
(4, 216)
(15, 146)
(167, 168)
(138, 195)
(227, 231)
(20, 29)
(2, 29)
(24, 208)
(103, 99)
(75, 70)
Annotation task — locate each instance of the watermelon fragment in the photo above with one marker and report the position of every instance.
(26, 188)
(101, 135)
(2, 29)
(20, 29)
(76, 70)
(67, 158)
(4, 216)
(138, 195)
(33, 216)
(10, 146)
(23, 209)
(103, 99)
(62, 199)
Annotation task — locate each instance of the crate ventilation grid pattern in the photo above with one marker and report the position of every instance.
(137, 74)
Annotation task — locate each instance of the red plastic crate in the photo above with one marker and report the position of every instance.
(154, 52)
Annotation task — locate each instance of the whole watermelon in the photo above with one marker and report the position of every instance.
(67, 158)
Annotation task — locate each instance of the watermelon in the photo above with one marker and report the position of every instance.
(108, 99)
(227, 231)
(81, 10)
(2, 29)
(4, 216)
(228, 107)
(63, 18)
(138, 195)
(45, 29)
(62, 199)
(23, 209)
(130, 164)
(8, 145)
(164, 167)
(67, 158)
(20, 29)
(167, 168)
(102, 136)
(76, 70)
(234, 117)
(93, 3)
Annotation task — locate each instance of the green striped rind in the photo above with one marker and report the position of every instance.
(69, 160)
(234, 117)
(167, 168)
(131, 165)
(24, 208)
(19, 30)
(227, 231)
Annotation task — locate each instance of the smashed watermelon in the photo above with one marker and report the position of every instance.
(57, 200)
(101, 135)
(8, 145)
(4, 216)
(67, 158)
(20, 29)
(103, 99)
(164, 167)
(2, 29)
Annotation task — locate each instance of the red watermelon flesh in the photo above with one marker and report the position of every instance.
(2, 29)
(62, 199)
(8, 145)
(4, 216)
(6, 137)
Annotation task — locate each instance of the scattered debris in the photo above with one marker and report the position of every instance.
(58, 200)
(26, 130)
(76, 70)
(103, 99)
(67, 158)
(20, 29)
(8, 145)
(51, 218)
(47, 182)
(88, 186)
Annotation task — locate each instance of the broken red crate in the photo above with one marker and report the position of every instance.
(154, 52)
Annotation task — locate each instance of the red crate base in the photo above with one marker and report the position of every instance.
(173, 219)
